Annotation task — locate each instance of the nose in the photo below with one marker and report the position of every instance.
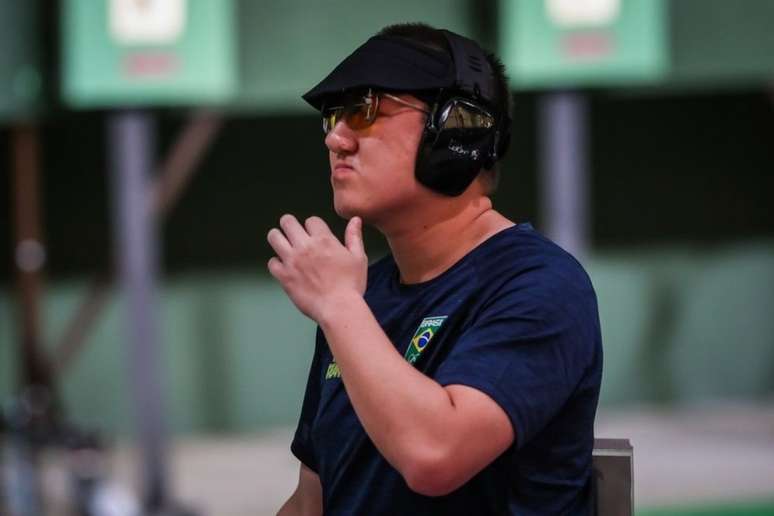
(341, 139)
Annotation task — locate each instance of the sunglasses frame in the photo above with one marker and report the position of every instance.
(332, 114)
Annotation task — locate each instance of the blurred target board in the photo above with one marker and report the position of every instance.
(257, 55)
(557, 43)
(20, 63)
(637, 44)
(261, 55)
(148, 52)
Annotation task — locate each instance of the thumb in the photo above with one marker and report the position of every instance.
(353, 236)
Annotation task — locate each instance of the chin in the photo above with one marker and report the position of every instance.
(343, 213)
(345, 203)
(344, 210)
(347, 210)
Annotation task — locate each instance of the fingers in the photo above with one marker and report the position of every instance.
(275, 267)
(353, 236)
(279, 243)
(293, 234)
(315, 226)
(294, 231)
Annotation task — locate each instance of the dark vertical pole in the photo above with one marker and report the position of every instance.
(131, 139)
(23, 497)
(565, 178)
(29, 255)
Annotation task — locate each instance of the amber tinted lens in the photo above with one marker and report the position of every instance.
(358, 112)
(358, 116)
(329, 118)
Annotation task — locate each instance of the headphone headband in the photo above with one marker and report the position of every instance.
(473, 72)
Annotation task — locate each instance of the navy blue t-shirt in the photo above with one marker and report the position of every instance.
(516, 318)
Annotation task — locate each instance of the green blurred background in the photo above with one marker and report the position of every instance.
(682, 175)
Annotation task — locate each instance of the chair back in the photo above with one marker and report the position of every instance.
(613, 475)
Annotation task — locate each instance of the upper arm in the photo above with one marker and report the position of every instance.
(306, 500)
(508, 376)
(477, 432)
(477, 415)
(528, 355)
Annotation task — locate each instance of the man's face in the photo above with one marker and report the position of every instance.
(372, 169)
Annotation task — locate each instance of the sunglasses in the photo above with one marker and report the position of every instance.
(360, 111)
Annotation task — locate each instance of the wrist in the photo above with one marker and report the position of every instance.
(339, 308)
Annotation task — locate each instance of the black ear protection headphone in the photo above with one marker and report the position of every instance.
(464, 132)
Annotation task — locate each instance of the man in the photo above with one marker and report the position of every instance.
(460, 374)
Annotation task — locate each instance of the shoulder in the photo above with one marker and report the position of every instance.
(522, 252)
(525, 267)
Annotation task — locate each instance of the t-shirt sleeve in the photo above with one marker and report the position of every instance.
(527, 353)
(302, 446)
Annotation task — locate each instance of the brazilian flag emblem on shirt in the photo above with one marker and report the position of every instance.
(422, 336)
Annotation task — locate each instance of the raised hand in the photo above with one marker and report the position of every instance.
(314, 268)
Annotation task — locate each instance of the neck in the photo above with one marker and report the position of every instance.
(424, 251)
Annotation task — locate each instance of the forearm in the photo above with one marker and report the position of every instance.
(408, 416)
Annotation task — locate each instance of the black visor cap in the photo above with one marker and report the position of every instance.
(389, 64)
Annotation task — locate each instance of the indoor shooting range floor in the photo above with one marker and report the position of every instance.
(708, 457)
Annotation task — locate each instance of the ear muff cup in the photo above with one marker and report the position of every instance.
(461, 138)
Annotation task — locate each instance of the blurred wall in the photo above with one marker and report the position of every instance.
(679, 326)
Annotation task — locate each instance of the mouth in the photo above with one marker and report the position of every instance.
(342, 169)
